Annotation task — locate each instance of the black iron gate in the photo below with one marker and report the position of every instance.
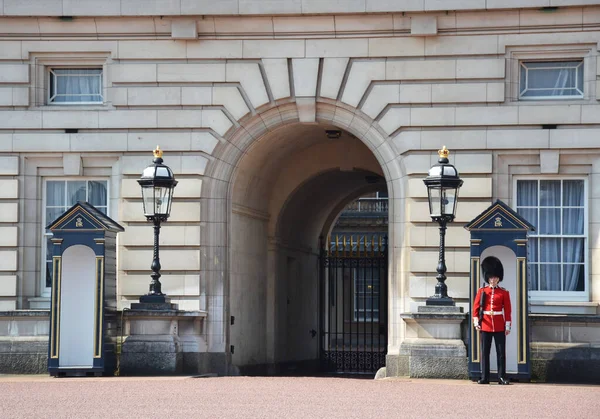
(353, 304)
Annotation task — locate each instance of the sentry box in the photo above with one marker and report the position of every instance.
(84, 298)
(499, 231)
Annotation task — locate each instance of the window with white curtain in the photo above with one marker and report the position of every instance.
(551, 80)
(59, 196)
(75, 85)
(557, 255)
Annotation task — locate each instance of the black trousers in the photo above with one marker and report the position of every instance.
(486, 345)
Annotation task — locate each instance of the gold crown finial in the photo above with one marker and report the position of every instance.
(157, 153)
(443, 153)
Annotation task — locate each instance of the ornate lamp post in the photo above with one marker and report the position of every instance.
(157, 184)
(442, 184)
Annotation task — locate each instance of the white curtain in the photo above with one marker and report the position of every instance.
(562, 82)
(97, 194)
(77, 85)
(573, 223)
(555, 253)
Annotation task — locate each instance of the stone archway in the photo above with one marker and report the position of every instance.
(274, 172)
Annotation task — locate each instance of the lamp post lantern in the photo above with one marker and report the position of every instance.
(443, 183)
(157, 184)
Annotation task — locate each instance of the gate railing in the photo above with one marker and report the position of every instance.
(354, 303)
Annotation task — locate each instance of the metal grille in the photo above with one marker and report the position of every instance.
(354, 304)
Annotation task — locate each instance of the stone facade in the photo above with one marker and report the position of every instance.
(239, 94)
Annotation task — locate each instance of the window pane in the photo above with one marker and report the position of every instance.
(76, 85)
(550, 277)
(77, 71)
(53, 213)
(573, 221)
(523, 79)
(550, 193)
(48, 263)
(573, 193)
(530, 214)
(55, 193)
(532, 271)
(573, 250)
(48, 274)
(49, 250)
(97, 193)
(527, 195)
(549, 250)
(549, 79)
(573, 276)
(549, 221)
(75, 192)
(532, 249)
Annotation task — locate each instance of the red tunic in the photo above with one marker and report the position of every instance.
(497, 300)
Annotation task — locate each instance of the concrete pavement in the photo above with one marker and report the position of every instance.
(286, 397)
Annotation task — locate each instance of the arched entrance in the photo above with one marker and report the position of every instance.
(287, 182)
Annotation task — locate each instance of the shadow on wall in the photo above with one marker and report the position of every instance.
(553, 363)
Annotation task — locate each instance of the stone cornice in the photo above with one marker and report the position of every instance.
(253, 7)
(493, 22)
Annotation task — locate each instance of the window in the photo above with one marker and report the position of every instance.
(75, 85)
(59, 196)
(557, 253)
(366, 294)
(551, 80)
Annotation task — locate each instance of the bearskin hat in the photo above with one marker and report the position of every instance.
(491, 267)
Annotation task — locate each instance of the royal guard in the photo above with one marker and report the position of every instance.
(492, 317)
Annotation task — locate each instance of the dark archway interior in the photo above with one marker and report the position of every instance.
(288, 189)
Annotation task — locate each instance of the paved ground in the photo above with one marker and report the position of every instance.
(307, 398)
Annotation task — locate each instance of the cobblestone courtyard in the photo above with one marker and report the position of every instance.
(248, 397)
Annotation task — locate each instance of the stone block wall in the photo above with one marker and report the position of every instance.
(24, 342)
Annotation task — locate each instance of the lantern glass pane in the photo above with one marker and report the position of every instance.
(434, 202)
(162, 200)
(455, 201)
(170, 192)
(148, 200)
(448, 201)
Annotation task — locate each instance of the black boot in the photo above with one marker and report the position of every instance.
(503, 381)
(482, 381)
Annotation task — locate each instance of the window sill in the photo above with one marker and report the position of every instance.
(39, 303)
(72, 107)
(554, 101)
(562, 307)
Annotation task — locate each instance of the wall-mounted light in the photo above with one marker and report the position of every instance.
(333, 134)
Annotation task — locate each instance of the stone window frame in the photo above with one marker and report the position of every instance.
(515, 55)
(42, 63)
(36, 168)
(563, 296)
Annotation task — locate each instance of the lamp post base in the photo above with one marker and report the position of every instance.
(439, 301)
(154, 302)
(153, 298)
